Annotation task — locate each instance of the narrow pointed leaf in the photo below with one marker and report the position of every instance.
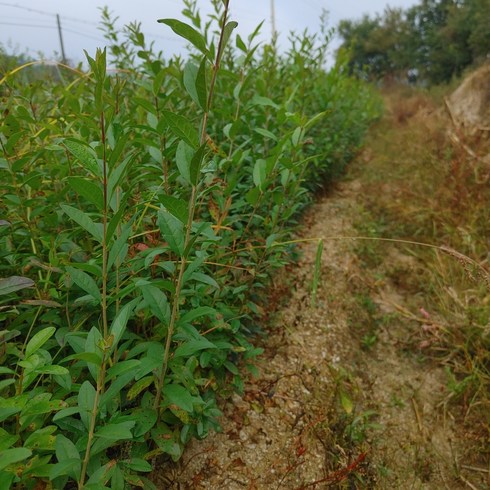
(190, 75)
(193, 346)
(183, 159)
(187, 32)
(201, 85)
(85, 155)
(157, 301)
(85, 282)
(182, 128)
(86, 398)
(87, 189)
(196, 164)
(259, 173)
(227, 33)
(175, 206)
(39, 340)
(119, 324)
(266, 133)
(172, 231)
(84, 221)
(14, 283)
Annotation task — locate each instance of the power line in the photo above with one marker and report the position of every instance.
(27, 25)
(84, 34)
(72, 31)
(51, 14)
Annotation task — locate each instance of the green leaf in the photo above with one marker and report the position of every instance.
(197, 313)
(38, 340)
(187, 32)
(122, 367)
(196, 162)
(138, 464)
(266, 133)
(139, 386)
(14, 283)
(114, 222)
(115, 388)
(6, 382)
(259, 173)
(297, 136)
(66, 412)
(6, 370)
(85, 282)
(183, 158)
(316, 118)
(195, 83)
(204, 278)
(58, 370)
(38, 406)
(263, 101)
(93, 344)
(65, 448)
(95, 229)
(100, 477)
(167, 440)
(178, 207)
(172, 231)
(13, 455)
(117, 174)
(87, 189)
(145, 419)
(190, 75)
(116, 432)
(346, 402)
(189, 348)
(85, 155)
(91, 357)
(7, 440)
(119, 323)
(42, 439)
(70, 467)
(178, 395)
(86, 399)
(202, 86)
(229, 27)
(253, 195)
(240, 44)
(157, 301)
(6, 412)
(120, 247)
(182, 128)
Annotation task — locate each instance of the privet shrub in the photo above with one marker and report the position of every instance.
(143, 210)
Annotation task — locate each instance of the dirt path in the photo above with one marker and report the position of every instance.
(345, 398)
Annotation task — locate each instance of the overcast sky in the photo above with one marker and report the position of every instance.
(30, 25)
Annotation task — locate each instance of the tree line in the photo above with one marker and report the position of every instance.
(432, 41)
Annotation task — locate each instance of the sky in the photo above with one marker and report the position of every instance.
(30, 26)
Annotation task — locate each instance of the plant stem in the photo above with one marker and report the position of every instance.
(101, 377)
(93, 420)
(192, 207)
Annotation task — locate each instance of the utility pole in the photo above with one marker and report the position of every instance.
(273, 21)
(63, 56)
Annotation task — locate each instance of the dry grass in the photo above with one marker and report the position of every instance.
(432, 185)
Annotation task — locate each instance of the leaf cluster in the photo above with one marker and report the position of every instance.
(143, 210)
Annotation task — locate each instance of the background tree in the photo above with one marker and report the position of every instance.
(437, 38)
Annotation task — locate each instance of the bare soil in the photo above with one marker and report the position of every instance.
(346, 396)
